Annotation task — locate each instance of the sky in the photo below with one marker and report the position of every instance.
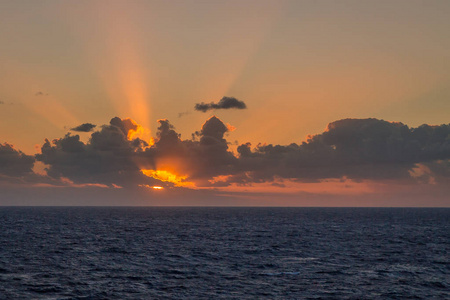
(225, 103)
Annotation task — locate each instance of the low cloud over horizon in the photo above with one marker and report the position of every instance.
(349, 150)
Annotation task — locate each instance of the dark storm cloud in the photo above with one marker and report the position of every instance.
(85, 127)
(14, 163)
(224, 103)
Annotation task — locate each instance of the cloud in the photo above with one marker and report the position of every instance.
(111, 158)
(353, 150)
(182, 114)
(108, 158)
(224, 103)
(85, 127)
(39, 94)
(14, 163)
(200, 158)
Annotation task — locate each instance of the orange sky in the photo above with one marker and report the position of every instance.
(298, 65)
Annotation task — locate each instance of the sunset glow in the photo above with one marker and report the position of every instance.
(167, 176)
(280, 149)
(300, 100)
(141, 132)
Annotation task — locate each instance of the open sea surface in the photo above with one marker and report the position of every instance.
(224, 253)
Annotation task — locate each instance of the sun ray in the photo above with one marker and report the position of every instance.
(121, 68)
(53, 111)
(260, 27)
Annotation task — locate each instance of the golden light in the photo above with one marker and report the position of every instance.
(167, 176)
(155, 187)
(138, 131)
(122, 70)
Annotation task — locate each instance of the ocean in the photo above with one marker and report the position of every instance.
(224, 253)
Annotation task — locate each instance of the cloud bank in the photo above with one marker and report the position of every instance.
(224, 103)
(350, 149)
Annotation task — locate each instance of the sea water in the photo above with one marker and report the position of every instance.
(224, 253)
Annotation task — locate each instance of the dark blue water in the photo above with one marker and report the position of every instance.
(224, 253)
